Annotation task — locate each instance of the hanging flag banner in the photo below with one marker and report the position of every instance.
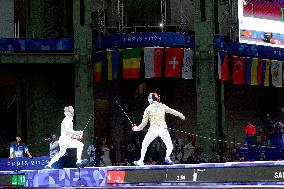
(173, 62)
(254, 67)
(187, 64)
(239, 70)
(248, 70)
(153, 58)
(276, 73)
(263, 72)
(131, 62)
(98, 62)
(113, 64)
(223, 66)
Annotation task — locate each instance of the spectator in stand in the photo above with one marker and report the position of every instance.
(250, 132)
(192, 139)
(205, 158)
(18, 148)
(123, 149)
(151, 162)
(105, 157)
(188, 150)
(112, 152)
(217, 159)
(193, 158)
(130, 152)
(263, 138)
(261, 157)
(176, 155)
(268, 123)
(242, 157)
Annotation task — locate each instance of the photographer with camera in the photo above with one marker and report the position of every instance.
(91, 152)
(53, 145)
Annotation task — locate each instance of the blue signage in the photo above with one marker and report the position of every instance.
(30, 44)
(243, 49)
(146, 39)
(24, 163)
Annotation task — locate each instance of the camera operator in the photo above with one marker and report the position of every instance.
(91, 152)
(53, 146)
(98, 152)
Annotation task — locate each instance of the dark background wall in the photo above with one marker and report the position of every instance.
(45, 90)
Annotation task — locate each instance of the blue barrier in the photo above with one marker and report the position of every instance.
(145, 39)
(30, 44)
(24, 163)
(252, 153)
(243, 49)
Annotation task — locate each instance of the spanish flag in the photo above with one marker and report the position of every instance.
(131, 62)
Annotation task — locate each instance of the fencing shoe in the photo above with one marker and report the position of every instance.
(168, 161)
(138, 163)
(81, 162)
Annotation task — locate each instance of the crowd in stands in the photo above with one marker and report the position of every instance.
(104, 151)
(269, 134)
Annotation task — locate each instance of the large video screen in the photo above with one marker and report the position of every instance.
(261, 22)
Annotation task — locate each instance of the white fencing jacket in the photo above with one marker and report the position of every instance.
(155, 112)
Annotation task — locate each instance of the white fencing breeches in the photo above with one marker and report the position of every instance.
(154, 132)
(64, 144)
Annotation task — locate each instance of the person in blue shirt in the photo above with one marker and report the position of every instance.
(18, 148)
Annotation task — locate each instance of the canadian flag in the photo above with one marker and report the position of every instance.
(173, 62)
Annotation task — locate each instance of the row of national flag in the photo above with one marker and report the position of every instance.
(151, 62)
(250, 71)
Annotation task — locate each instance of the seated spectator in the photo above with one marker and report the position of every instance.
(263, 138)
(188, 150)
(150, 161)
(193, 158)
(176, 155)
(268, 123)
(130, 152)
(18, 148)
(205, 158)
(261, 157)
(217, 159)
(105, 156)
(242, 158)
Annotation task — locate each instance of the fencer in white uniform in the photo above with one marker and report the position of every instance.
(68, 138)
(155, 113)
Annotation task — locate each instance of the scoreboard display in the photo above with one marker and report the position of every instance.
(12, 180)
(261, 22)
(209, 175)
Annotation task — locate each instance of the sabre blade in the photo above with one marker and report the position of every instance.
(124, 112)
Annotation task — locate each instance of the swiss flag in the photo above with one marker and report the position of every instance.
(173, 62)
